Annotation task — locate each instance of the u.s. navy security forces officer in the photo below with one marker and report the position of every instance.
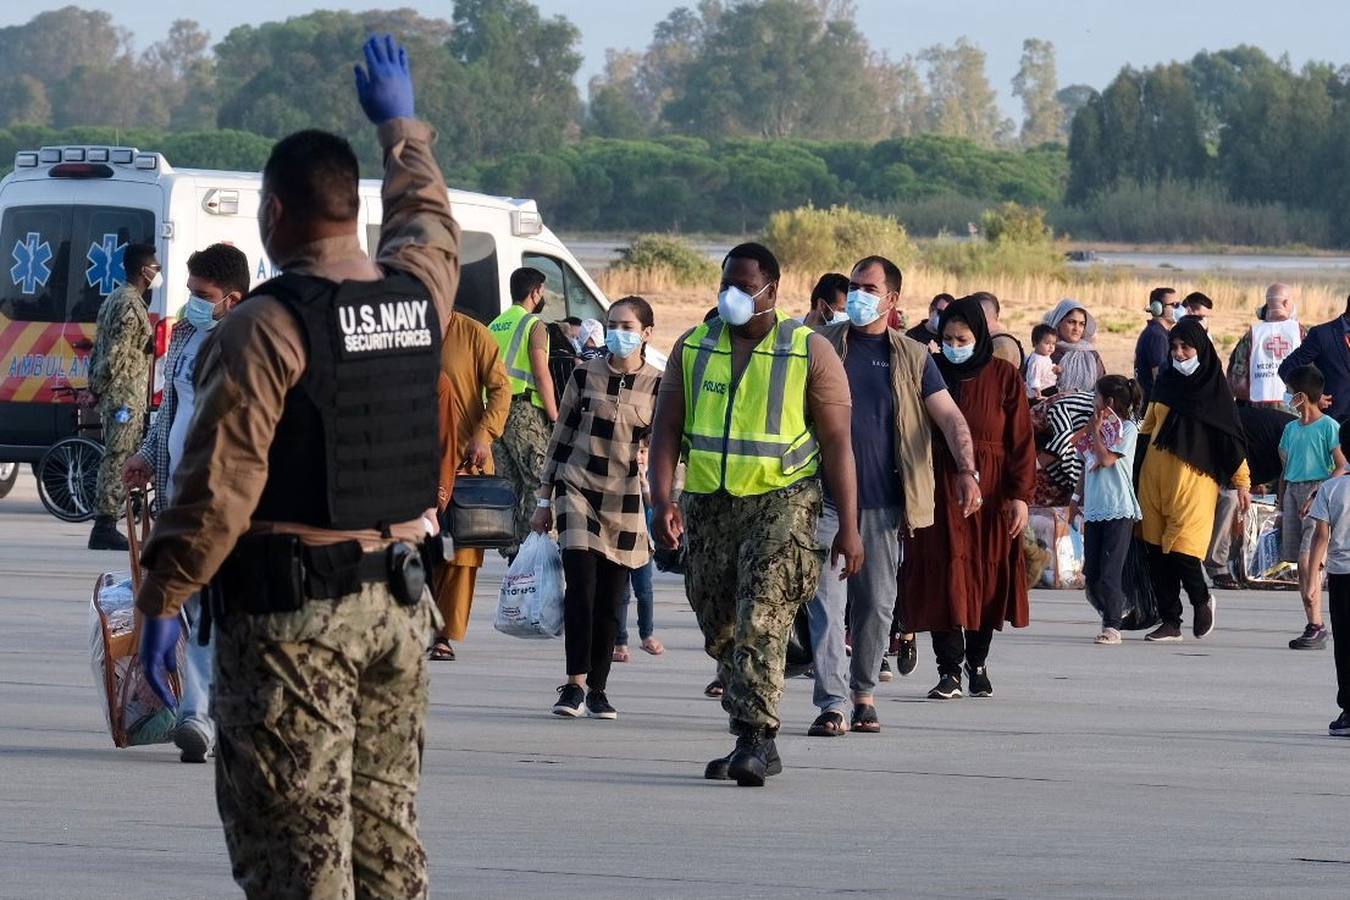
(759, 403)
(314, 447)
(519, 453)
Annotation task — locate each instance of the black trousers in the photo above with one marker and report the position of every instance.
(1338, 602)
(1170, 572)
(1105, 548)
(951, 647)
(591, 613)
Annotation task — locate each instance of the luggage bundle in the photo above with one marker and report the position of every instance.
(134, 713)
(1261, 563)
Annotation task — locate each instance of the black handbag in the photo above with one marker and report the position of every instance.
(482, 512)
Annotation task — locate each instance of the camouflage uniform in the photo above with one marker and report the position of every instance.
(750, 565)
(320, 717)
(519, 456)
(119, 374)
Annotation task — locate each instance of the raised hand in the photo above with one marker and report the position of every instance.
(385, 86)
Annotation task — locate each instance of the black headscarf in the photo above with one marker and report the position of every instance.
(968, 310)
(1203, 427)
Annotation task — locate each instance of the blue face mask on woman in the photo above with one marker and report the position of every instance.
(622, 343)
(958, 355)
(200, 313)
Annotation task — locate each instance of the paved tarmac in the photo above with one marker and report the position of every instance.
(1194, 770)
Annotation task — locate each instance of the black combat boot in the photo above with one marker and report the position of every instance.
(720, 769)
(749, 762)
(105, 535)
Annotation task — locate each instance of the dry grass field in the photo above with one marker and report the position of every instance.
(1117, 301)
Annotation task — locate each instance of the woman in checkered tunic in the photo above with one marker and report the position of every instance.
(592, 490)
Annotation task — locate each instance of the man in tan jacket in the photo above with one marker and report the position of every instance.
(475, 396)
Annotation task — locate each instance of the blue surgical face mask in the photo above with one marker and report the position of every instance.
(862, 308)
(1178, 313)
(1186, 366)
(837, 317)
(622, 343)
(736, 307)
(958, 355)
(200, 313)
(1290, 400)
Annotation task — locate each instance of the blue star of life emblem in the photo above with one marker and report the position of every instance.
(31, 267)
(106, 269)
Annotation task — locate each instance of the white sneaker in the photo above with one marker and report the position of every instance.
(1108, 636)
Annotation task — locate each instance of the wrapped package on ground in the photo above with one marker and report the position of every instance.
(1261, 548)
(132, 711)
(1064, 541)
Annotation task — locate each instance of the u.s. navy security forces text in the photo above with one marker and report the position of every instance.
(390, 325)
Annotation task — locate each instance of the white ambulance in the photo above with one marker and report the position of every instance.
(67, 214)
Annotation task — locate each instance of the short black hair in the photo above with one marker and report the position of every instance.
(986, 297)
(223, 265)
(137, 257)
(758, 253)
(1195, 298)
(894, 277)
(1041, 332)
(941, 298)
(830, 283)
(571, 320)
(315, 175)
(641, 308)
(524, 281)
(1308, 381)
(1159, 294)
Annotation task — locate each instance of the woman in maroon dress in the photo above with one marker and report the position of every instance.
(965, 577)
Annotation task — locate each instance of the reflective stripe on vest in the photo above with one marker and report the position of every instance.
(750, 437)
(511, 330)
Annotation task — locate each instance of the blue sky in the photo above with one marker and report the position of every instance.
(1094, 38)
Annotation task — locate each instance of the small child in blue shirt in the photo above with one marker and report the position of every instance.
(1107, 499)
(1310, 449)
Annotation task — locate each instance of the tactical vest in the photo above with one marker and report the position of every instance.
(357, 445)
(512, 332)
(749, 436)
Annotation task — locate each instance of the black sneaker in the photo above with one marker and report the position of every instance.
(1340, 727)
(193, 742)
(1314, 637)
(597, 706)
(886, 673)
(571, 700)
(978, 682)
(908, 657)
(949, 688)
(1202, 622)
(1165, 633)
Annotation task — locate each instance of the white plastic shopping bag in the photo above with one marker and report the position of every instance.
(531, 601)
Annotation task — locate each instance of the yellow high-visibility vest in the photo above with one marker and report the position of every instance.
(752, 436)
(511, 330)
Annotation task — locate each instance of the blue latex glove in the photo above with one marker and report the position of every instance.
(159, 654)
(385, 86)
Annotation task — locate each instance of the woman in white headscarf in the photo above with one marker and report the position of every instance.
(591, 339)
(1080, 365)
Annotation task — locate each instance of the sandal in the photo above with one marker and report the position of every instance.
(715, 688)
(441, 650)
(865, 719)
(653, 646)
(828, 724)
(620, 654)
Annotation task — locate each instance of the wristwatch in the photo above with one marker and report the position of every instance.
(543, 504)
(973, 473)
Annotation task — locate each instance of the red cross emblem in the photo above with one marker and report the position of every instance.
(1277, 346)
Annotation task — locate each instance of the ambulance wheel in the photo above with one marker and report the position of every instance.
(67, 478)
(9, 473)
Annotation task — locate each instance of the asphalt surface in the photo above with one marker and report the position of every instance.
(1194, 770)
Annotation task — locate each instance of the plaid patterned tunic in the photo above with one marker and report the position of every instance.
(592, 466)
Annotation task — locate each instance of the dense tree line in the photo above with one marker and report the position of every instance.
(1256, 128)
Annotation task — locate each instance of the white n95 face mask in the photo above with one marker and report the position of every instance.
(736, 307)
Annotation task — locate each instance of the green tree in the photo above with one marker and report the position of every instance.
(1071, 99)
(616, 107)
(778, 68)
(23, 101)
(1036, 84)
(962, 103)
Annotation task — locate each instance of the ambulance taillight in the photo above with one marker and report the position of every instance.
(163, 331)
